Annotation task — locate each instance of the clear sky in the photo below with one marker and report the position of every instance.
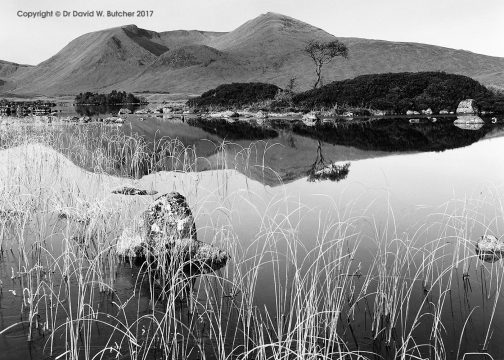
(476, 26)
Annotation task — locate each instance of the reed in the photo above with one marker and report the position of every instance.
(329, 299)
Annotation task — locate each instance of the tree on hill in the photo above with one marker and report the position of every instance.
(324, 52)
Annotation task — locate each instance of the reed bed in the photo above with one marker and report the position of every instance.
(360, 289)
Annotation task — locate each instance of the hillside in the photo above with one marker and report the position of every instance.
(92, 62)
(268, 49)
(7, 69)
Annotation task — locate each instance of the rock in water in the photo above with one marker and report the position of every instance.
(489, 248)
(127, 190)
(467, 106)
(124, 111)
(166, 233)
(169, 218)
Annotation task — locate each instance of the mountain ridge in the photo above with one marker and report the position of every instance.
(268, 48)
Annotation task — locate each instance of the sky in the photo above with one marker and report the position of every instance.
(471, 25)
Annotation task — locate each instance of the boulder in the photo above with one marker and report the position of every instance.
(427, 112)
(167, 110)
(124, 111)
(166, 232)
(225, 114)
(261, 115)
(127, 190)
(489, 248)
(467, 106)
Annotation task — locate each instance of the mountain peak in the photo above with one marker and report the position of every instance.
(268, 48)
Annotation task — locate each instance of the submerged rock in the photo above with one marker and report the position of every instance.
(467, 106)
(127, 190)
(489, 248)
(166, 232)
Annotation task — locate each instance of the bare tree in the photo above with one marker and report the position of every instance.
(323, 52)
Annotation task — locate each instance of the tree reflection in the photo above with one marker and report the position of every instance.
(321, 170)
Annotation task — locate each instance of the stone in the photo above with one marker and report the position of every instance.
(127, 190)
(467, 106)
(167, 110)
(124, 111)
(489, 248)
(261, 115)
(444, 112)
(166, 232)
(412, 112)
(225, 114)
(427, 112)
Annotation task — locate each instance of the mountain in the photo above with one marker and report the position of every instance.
(93, 61)
(268, 48)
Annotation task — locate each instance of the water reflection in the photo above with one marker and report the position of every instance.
(469, 122)
(93, 110)
(322, 170)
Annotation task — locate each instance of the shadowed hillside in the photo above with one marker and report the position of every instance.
(269, 48)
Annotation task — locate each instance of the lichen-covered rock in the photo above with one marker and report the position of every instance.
(467, 106)
(169, 218)
(166, 233)
(489, 248)
(127, 190)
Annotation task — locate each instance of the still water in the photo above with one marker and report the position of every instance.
(426, 183)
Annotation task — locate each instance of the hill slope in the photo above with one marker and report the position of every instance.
(93, 61)
(268, 48)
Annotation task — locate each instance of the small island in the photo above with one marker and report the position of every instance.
(113, 98)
